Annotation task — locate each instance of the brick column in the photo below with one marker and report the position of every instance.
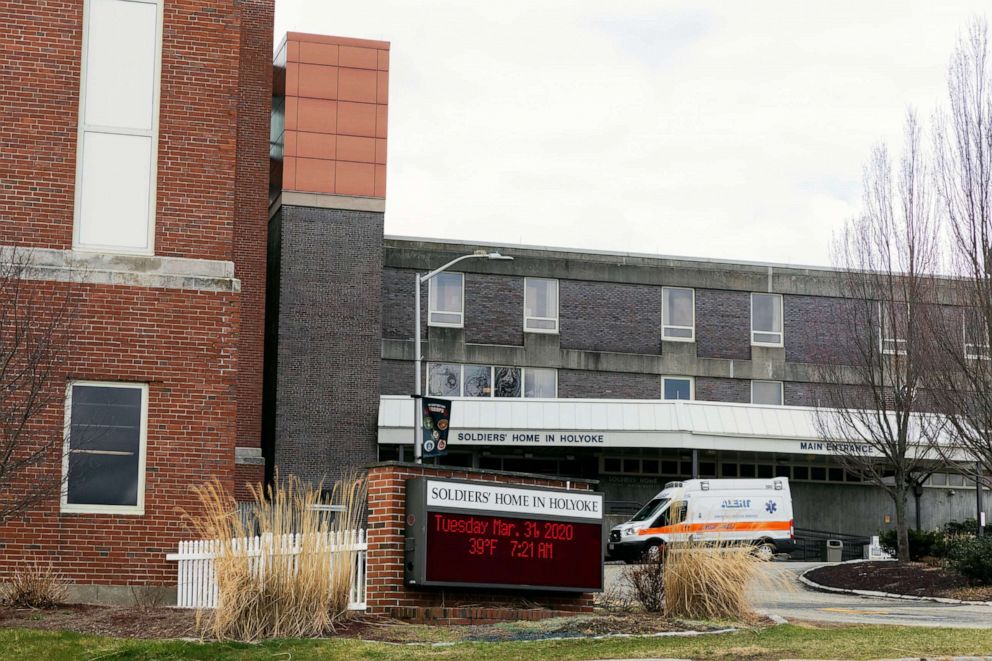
(389, 595)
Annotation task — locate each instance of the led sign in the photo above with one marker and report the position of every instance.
(485, 535)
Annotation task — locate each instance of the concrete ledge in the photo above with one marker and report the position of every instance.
(122, 595)
(326, 201)
(874, 593)
(131, 270)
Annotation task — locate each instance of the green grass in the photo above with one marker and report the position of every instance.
(842, 642)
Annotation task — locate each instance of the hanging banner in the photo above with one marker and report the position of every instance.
(436, 416)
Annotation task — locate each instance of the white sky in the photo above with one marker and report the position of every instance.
(734, 130)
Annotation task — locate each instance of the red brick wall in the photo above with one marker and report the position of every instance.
(388, 594)
(250, 231)
(39, 103)
(182, 344)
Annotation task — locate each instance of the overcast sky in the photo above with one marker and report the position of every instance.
(734, 130)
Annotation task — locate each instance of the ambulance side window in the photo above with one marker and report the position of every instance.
(677, 512)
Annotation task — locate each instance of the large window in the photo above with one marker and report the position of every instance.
(976, 335)
(678, 314)
(540, 383)
(455, 380)
(893, 326)
(540, 305)
(677, 387)
(446, 300)
(766, 320)
(118, 126)
(766, 392)
(104, 456)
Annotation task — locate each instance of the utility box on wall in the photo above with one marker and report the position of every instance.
(487, 535)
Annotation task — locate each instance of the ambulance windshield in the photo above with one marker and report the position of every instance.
(651, 510)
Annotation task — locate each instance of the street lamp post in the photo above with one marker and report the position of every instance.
(418, 438)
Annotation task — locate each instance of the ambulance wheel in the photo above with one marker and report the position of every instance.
(654, 552)
(765, 551)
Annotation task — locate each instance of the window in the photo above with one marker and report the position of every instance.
(540, 305)
(446, 300)
(454, 380)
(678, 314)
(892, 327)
(444, 380)
(540, 383)
(478, 381)
(976, 336)
(506, 382)
(677, 387)
(766, 392)
(104, 454)
(118, 126)
(766, 320)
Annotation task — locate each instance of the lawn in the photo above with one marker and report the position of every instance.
(802, 641)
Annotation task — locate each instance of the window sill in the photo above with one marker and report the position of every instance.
(541, 331)
(678, 339)
(440, 325)
(123, 510)
(768, 345)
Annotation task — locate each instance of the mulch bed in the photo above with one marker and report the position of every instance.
(911, 578)
(164, 623)
(103, 620)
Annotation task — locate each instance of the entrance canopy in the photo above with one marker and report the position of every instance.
(599, 423)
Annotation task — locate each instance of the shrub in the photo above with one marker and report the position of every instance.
(961, 528)
(709, 582)
(922, 543)
(972, 558)
(271, 593)
(646, 581)
(33, 585)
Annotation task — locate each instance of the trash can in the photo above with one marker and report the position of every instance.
(833, 550)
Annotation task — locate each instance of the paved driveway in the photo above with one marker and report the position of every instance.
(783, 595)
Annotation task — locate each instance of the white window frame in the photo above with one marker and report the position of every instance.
(781, 389)
(969, 347)
(692, 387)
(552, 331)
(780, 331)
(152, 134)
(523, 389)
(137, 509)
(895, 339)
(665, 325)
(430, 303)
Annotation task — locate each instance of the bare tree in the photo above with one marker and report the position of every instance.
(964, 187)
(34, 332)
(872, 411)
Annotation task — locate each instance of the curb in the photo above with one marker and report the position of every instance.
(887, 595)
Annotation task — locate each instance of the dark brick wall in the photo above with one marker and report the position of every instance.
(605, 316)
(329, 341)
(494, 309)
(723, 390)
(396, 377)
(398, 305)
(805, 394)
(818, 330)
(723, 324)
(608, 385)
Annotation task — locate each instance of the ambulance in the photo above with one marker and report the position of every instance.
(753, 512)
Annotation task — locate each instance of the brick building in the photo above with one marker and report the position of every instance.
(625, 368)
(135, 174)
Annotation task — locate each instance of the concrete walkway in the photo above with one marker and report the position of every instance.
(782, 594)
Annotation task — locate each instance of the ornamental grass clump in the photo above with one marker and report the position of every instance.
(33, 585)
(709, 582)
(275, 570)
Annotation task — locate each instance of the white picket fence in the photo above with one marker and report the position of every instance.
(197, 585)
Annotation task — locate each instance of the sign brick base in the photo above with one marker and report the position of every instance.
(389, 595)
